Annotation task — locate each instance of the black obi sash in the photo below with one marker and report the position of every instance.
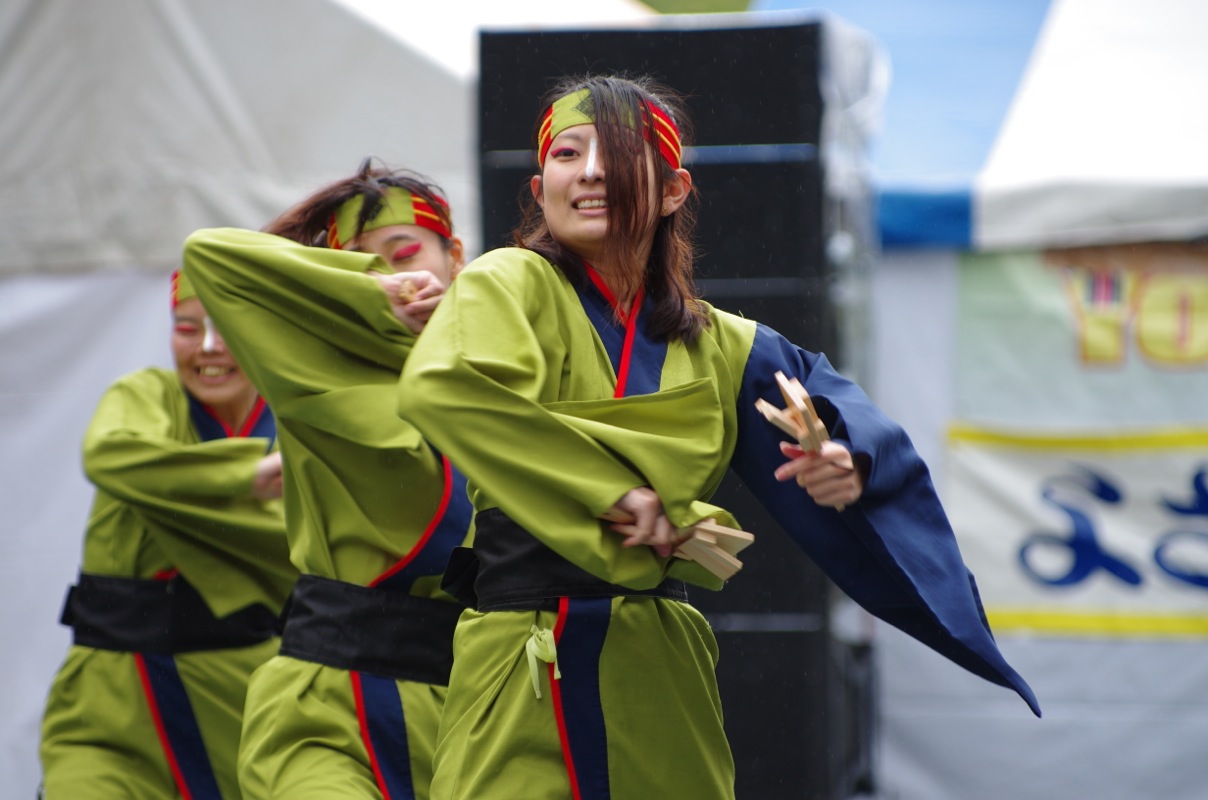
(510, 569)
(157, 616)
(370, 629)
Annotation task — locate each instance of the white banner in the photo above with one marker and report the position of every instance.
(1099, 535)
(1077, 463)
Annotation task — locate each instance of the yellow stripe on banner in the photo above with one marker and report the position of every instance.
(1098, 624)
(1103, 441)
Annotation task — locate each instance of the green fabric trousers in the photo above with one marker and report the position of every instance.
(302, 734)
(99, 737)
(650, 675)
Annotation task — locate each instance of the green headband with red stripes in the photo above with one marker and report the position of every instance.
(182, 288)
(397, 207)
(577, 108)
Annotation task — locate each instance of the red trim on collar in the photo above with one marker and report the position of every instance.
(248, 425)
(631, 327)
(629, 319)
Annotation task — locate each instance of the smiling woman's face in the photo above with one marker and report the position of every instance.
(572, 192)
(572, 197)
(205, 365)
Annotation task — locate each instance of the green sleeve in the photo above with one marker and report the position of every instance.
(300, 320)
(318, 339)
(193, 498)
(130, 450)
(476, 384)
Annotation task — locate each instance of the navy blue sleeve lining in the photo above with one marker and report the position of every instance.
(893, 551)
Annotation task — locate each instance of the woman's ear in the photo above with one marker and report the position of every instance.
(457, 256)
(676, 191)
(535, 186)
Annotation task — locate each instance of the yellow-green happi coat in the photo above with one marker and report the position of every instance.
(552, 466)
(166, 503)
(563, 687)
(362, 487)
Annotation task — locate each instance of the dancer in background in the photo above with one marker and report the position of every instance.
(185, 569)
(579, 377)
(324, 319)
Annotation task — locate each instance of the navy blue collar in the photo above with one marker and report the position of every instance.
(260, 423)
(638, 363)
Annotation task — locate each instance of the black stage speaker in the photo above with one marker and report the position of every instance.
(797, 701)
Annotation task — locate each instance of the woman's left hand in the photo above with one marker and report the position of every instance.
(413, 296)
(830, 477)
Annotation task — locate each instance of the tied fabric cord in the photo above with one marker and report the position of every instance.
(541, 646)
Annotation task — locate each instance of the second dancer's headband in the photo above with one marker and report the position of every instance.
(396, 207)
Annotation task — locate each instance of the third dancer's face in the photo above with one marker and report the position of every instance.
(203, 362)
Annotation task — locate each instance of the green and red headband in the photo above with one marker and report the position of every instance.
(397, 207)
(576, 108)
(182, 288)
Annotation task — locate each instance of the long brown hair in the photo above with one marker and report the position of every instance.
(307, 221)
(619, 103)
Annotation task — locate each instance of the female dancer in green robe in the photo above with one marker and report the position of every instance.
(323, 320)
(578, 377)
(185, 569)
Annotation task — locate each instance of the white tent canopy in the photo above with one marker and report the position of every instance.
(1104, 142)
(129, 124)
(1038, 123)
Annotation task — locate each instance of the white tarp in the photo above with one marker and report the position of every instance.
(130, 123)
(1104, 141)
(1038, 123)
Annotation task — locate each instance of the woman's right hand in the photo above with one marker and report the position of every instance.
(639, 517)
(413, 296)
